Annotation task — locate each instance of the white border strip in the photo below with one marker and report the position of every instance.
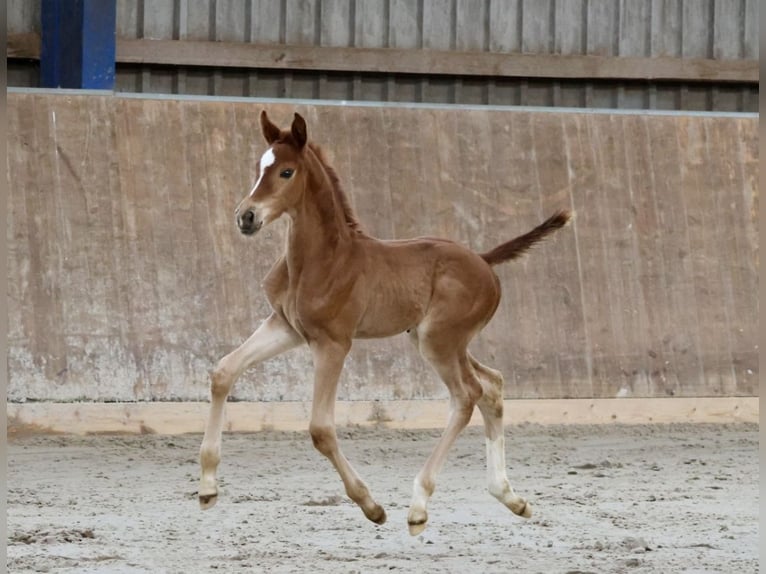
(180, 418)
(380, 104)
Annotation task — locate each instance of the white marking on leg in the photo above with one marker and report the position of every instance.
(267, 159)
(496, 476)
(418, 515)
(498, 483)
(420, 496)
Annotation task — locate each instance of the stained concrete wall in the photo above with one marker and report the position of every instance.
(128, 278)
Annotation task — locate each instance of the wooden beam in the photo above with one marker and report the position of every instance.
(179, 418)
(26, 46)
(418, 62)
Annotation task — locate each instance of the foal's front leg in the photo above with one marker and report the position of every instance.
(328, 364)
(273, 337)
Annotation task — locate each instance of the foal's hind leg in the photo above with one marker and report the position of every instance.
(491, 407)
(453, 368)
(273, 337)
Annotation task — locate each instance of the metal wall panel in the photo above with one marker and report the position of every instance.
(644, 28)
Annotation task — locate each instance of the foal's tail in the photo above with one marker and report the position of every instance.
(520, 245)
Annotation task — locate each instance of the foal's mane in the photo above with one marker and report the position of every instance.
(338, 193)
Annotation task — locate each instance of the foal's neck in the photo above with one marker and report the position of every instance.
(318, 226)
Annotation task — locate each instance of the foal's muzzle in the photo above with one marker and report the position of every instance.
(247, 223)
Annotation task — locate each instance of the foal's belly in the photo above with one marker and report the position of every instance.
(371, 330)
(386, 315)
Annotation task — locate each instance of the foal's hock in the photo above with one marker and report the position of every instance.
(334, 283)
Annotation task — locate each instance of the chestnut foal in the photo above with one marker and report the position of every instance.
(335, 283)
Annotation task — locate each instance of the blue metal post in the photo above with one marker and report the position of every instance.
(78, 44)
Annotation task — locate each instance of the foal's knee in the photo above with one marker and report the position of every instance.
(324, 438)
(220, 382)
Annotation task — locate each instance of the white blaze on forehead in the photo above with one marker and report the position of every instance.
(267, 159)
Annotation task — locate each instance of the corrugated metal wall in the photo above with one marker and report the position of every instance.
(719, 29)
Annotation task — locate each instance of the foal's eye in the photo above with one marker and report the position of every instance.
(287, 173)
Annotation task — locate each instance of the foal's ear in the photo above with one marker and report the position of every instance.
(269, 130)
(298, 130)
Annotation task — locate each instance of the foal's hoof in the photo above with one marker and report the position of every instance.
(524, 509)
(207, 501)
(416, 527)
(416, 521)
(376, 515)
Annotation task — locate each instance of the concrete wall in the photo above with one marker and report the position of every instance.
(128, 278)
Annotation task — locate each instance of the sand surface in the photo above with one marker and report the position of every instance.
(666, 499)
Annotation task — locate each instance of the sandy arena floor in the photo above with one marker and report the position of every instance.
(665, 499)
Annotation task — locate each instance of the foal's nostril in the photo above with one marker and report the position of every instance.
(247, 223)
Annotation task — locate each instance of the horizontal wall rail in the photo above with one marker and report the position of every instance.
(189, 417)
(409, 61)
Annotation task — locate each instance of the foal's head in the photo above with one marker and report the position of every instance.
(282, 175)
